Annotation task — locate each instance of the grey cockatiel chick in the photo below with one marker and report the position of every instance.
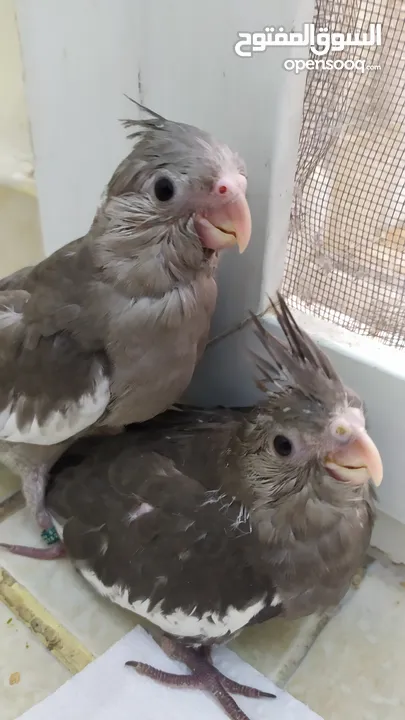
(206, 521)
(107, 331)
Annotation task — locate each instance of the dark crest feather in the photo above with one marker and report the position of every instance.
(298, 362)
(146, 109)
(156, 121)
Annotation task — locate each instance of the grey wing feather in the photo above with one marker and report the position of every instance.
(50, 388)
(132, 517)
(16, 280)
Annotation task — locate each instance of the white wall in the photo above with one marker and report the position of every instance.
(20, 236)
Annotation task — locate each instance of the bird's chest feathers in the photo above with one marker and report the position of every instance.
(183, 313)
(153, 344)
(314, 557)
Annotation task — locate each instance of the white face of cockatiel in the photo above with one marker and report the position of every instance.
(180, 193)
(311, 430)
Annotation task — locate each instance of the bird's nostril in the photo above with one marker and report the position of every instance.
(341, 430)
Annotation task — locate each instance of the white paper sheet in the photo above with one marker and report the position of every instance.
(107, 690)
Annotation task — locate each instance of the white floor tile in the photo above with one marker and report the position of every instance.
(356, 668)
(278, 646)
(40, 674)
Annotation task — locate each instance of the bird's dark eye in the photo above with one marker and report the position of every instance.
(164, 189)
(282, 445)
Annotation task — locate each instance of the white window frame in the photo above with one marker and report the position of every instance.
(81, 56)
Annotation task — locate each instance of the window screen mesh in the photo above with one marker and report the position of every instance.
(346, 249)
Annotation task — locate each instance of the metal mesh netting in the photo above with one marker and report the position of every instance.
(346, 249)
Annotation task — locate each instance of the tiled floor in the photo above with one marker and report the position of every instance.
(28, 672)
(355, 670)
(349, 667)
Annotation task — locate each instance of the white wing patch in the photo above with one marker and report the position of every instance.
(58, 426)
(9, 317)
(140, 510)
(210, 625)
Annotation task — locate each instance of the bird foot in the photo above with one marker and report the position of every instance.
(55, 547)
(204, 676)
(53, 552)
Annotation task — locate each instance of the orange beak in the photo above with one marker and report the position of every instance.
(230, 223)
(357, 462)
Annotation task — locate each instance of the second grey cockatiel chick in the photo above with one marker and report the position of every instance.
(107, 331)
(206, 521)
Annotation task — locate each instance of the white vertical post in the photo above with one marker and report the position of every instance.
(178, 58)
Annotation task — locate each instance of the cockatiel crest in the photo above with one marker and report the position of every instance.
(301, 367)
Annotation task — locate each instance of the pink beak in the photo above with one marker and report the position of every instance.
(357, 462)
(229, 222)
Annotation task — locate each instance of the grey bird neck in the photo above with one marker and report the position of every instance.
(128, 247)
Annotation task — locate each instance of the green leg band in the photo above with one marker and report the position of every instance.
(50, 536)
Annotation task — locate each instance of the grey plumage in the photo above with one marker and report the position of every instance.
(108, 330)
(205, 521)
